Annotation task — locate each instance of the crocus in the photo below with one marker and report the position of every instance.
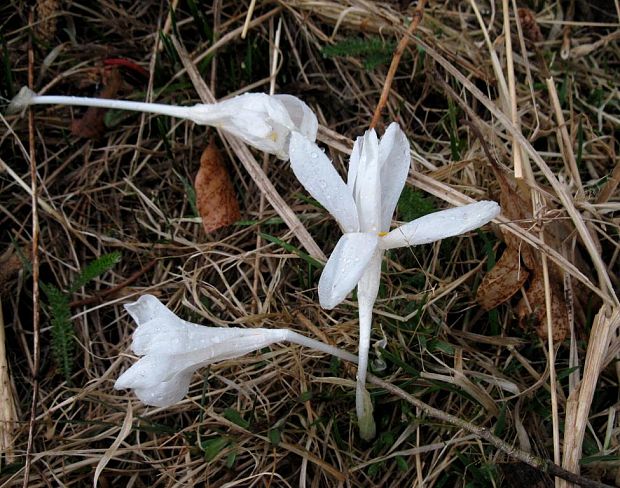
(363, 207)
(173, 349)
(261, 120)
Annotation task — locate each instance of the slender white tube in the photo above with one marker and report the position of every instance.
(156, 108)
(367, 290)
(296, 338)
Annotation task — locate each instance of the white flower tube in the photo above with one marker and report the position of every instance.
(363, 207)
(261, 120)
(172, 349)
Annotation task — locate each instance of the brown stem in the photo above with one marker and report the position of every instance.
(35, 264)
(400, 50)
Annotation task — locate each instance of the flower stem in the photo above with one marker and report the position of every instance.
(296, 338)
(367, 290)
(156, 108)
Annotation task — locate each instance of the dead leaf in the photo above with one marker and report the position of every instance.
(520, 266)
(10, 264)
(532, 311)
(503, 281)
(91, 125)
(530, 27)
(215, 196)
(47, 17)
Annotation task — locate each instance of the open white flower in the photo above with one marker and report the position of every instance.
(363, 208)
(261, 120)
(173, 349)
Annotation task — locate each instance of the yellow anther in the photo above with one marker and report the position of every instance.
(381, 234)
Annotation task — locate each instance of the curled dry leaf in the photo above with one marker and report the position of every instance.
(91, 125)
(503, 281)
(532, 310)
(521, 267)
(530, 27)
(215, 196)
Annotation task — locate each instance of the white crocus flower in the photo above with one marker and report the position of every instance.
(173, 349)
(261, 120)
(363, 208)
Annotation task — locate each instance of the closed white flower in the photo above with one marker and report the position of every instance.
(261, 120)
(172, 349)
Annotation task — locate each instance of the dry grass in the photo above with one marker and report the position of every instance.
(285, 416)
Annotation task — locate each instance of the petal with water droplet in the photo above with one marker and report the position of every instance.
(368, 184)
(319, 177)
(301, 115)
(345, 267)
(439, 225)
(394, 159)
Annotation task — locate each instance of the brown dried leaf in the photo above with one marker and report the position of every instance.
(47, 15)
(91, 125)
(503, 281)
(215, 196)
(523, 260)
(535, 315)
(530, 27)
(10, 265)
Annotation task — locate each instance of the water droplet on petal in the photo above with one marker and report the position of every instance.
(314, 155)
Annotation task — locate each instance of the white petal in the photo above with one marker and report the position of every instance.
(230, 343)
(257, 118)
(345, 267)
(148, 372)
(156, 382)
(302, 116)
(156, 324)
(354, 164)
(368, 184)
(395, 160)
(319, 177)
(161, 333)
(167, 393)
(439, 225)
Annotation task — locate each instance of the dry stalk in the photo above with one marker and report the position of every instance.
(400, 50)
(8, 414)
(580, 400)
(36, 350)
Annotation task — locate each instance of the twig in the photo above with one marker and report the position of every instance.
(553, 384)
(248, 18)
(99, 297)
(536, 462)
(400, 50)
(8, 414)
(512, 94)
(35, 266)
